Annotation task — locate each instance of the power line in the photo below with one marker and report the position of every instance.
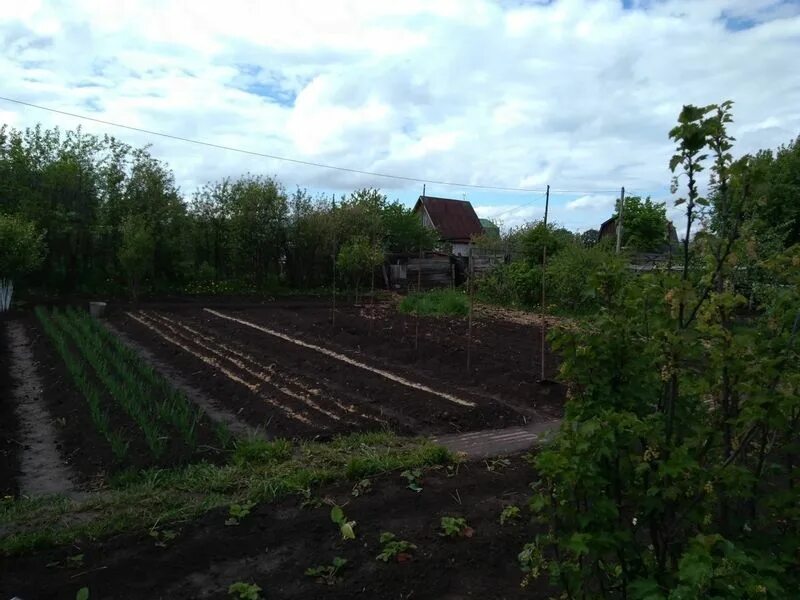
(294, 160)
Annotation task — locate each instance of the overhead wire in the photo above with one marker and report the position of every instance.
(295, 160)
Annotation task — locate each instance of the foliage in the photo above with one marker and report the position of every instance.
(392, 548)
(244, 591)
(21, 247)
(327, 574)
(672, 474)
(237, 512)
(454, 527)
(82, 594)
(357, 258)
(102, 367)
(166, 496)
(645, 227)
(256, 450)
(414, 479)
(439, 303)
(589, 238)
(137, 252)
(346, 528)
(362, 488)
(510, 514)
(533, 238)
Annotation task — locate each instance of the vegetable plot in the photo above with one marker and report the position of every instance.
(127, 400)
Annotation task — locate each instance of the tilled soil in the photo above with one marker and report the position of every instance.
(10, 445)
(292, 390)
(274, 545)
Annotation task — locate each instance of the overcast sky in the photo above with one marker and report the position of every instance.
(573, 93)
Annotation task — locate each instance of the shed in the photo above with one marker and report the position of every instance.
(455, 221)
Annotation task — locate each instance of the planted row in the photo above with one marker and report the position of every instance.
(105, 369)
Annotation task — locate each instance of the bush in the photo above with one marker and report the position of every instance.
(578, 276)
(515, 284)
(435, 303)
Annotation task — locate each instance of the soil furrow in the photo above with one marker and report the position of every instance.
(264, 375)
(42, 470)
(346, 359)
(216, 365)
(286, 380)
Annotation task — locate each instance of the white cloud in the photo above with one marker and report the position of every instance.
(578, 94)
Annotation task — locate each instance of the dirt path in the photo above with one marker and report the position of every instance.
(42, 471)
(212, 408)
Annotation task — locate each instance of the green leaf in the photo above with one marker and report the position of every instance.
(348, 530)
(337, 515)
(83, 594)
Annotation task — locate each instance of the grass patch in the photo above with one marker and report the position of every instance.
(437, 303)
(262, 472)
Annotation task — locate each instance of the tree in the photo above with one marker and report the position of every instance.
(357, 258)
(674, 473)
(590, 237)
(21, 251)
(644, 224)
(533, 238)
(137, 252)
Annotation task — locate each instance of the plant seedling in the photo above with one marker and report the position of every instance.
(400, 550)
(83, 594)
(237, 512)
(346, 528)
(75, 561)
(414, 478)
(510, 513)
(454, 527)
(163, 536)
(309, 499)
(362, 488)
(327, 573)
(244, 591)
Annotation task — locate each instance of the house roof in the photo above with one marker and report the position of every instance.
(453, 219)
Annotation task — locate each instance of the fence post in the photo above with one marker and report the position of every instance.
(543, 324)
(471, 301)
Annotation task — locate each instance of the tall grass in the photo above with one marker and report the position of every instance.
(435, 303)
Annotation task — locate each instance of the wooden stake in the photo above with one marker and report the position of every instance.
(543, 324)
(419, 290)
(333, 304)
(471, 301)
(619, 219)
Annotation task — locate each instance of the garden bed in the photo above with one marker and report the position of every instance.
(274, 544)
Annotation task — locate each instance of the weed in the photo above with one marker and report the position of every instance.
(163, 537)
(244, 591)
(237, 512)
(454, 527)
(309, 499)
(75, 561)
(362, 488)
(435, 303)
(327, 573)
(400, 550)
(510, 514)
(346, 528)
(259, 451)
(414, 478)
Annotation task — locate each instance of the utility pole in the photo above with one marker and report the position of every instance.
(543, 325)
(619, 218)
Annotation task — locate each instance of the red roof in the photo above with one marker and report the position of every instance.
(455, 220)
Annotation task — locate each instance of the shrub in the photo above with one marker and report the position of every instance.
(435, 303)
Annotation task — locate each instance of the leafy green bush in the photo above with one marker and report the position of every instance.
(435, 303)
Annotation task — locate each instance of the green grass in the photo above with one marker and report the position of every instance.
(435, 303)
(263, 471)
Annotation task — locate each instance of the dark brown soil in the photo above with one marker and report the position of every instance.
(9, 444)
(502, 383)
(276, 543)
(81, 446)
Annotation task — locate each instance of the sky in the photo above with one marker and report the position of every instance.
(577, 94)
